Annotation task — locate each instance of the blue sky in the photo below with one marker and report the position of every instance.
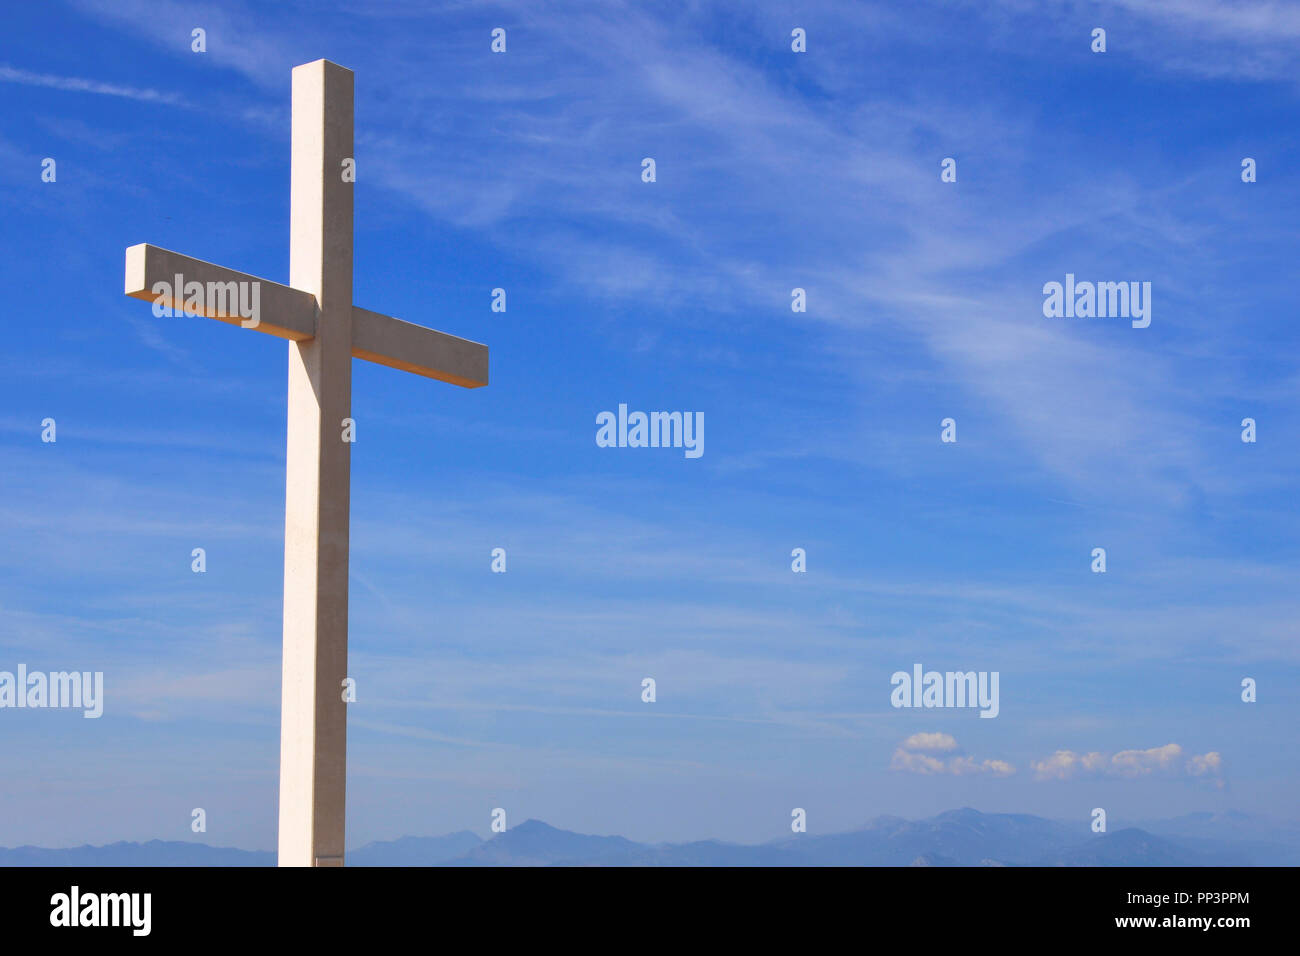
(775, 170)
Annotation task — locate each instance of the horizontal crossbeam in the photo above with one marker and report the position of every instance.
(152, 274)
(282, 311)
(413, 348)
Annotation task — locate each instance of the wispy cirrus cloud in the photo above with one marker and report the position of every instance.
(1234, 39)
(774, 171)
(883, 250)
(75, 84)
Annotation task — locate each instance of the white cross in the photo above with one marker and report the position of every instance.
(325, 332)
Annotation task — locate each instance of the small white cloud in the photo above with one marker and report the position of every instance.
(1201, 765)
(910, 757)
(937, 743)
(1093, 762)
(1065, 764)
(1059, 766)
(963, 766)
(1137, 763)
(915, 763)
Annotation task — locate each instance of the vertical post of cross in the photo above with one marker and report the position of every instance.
(313, 718)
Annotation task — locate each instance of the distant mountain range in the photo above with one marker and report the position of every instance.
(956, 838)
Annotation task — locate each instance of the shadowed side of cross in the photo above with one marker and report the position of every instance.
(325, 332)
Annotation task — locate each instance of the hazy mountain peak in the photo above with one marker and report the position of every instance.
(961, 837)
